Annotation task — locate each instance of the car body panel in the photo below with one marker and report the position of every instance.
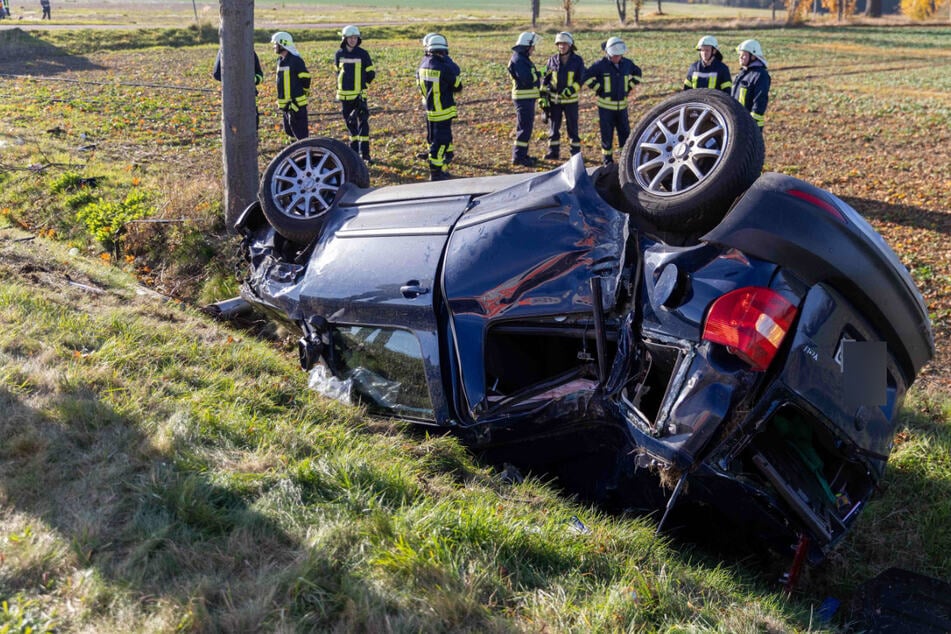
(527, 252)
(495, 279)
(831, 242)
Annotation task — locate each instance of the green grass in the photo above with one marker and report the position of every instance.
(275, 14)
(160, 471)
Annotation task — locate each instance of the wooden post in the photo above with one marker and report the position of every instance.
(239, 134)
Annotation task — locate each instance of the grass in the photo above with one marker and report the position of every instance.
(163, 472)
(272, 13)
(160, 471)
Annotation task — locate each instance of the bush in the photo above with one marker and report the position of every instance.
(105, 220)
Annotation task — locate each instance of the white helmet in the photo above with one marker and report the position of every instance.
(527, 38)
(427, 37)
(615, 46)
(708, 40)
(753, 48)
(565, 37)
(350, 30)
(285, 41)
(436, 42)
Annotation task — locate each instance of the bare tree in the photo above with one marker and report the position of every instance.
(621, 10)
(567, 5)
(239, 134)
(536, 10)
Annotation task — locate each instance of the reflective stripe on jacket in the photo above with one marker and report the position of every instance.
(354, 72)
(561, 77)
(751, 89)
(612, 83)
(437, 79)
(525, 77)
(715, 76)
(293, 83)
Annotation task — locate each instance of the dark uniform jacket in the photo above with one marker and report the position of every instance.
(525, 77)
(563, 80)
(751, 88)
(612, 83)
(258, 73)
(715, 76)
(293, 83)
(354, 72)
(438, 79)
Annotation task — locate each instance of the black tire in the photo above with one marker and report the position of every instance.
(688, 159)
(301, 183)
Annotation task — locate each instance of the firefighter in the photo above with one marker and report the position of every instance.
(751, 84)
(45, 5)
(562, 83)
(293, 85)
(354, 75)
(613, 78)
(438, 80)
(258, 78)
(525, 92)
(709, 71)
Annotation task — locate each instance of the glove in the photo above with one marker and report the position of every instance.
(543, 103)
(568, 92)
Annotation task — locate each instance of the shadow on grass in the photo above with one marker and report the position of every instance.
(23, 53)
(904, 215)
(154, 525)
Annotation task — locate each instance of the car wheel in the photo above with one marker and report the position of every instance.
(688, 159)
(301, 183)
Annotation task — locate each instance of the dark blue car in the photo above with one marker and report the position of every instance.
(679, 331)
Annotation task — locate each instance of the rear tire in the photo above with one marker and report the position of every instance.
(689, 158)
(301, 184)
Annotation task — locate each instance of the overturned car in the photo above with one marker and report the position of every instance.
(682, 330)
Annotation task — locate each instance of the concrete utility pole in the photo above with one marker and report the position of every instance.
(239, 133)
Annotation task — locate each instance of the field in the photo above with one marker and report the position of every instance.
(276, 14)
(165, 472)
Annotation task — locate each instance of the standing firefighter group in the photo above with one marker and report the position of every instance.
(555, 89)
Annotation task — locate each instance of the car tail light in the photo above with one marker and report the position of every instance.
(752, 322)
(824, 205)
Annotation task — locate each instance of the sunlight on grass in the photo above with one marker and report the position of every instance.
(161, 471)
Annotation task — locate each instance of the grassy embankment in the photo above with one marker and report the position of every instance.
(161, 471)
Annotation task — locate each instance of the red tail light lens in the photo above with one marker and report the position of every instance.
(828, 207)
(752, 322)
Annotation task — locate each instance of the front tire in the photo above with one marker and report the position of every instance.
(688, 159)
(301, 184)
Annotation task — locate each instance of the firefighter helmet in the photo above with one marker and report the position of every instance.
(753, 48)
(527, 38)
(349, 31)
(708, 40)
(285, 41)
(565, 37)
(615, 46)
(436, 43)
